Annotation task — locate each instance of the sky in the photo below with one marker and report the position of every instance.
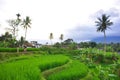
(73, 18)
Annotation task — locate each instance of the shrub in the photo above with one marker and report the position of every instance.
(53, 50)
(117, 70)
(107, 58)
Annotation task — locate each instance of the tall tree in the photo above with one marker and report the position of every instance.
(61, 38)
(14, 23)
(51, 37)
(13, 28)
(18, 20)
(103, 24)
(26, 24)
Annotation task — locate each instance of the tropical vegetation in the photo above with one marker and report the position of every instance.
(63, 60)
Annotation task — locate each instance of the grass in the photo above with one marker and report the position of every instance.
(46, 73)
(18, 71)
(74, 71)
(50, 61)
(15, 49)
(29, 67)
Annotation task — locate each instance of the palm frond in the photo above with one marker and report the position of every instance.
(103, 23)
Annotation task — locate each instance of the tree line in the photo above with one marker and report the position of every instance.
(103, 23)
(70, 44)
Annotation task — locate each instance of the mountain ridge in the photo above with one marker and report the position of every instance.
(109, 39)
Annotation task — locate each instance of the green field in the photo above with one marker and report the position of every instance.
(29, 67)
(86, 64)
(74, 71)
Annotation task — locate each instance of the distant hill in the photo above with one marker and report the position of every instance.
(109, 39)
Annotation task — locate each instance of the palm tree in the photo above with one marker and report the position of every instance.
(61, 37)
(51, 37)
(18, 15)
(18, 20)
(103, 24)
(26, 24)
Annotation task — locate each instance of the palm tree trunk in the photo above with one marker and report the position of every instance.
(61, 43)
(25, 33)
(51, 41)
(24, 41)
(104, 42)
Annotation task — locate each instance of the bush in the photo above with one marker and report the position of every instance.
(54, 50)
(107, 58)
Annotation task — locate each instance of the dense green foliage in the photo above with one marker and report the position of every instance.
(53, 50)
(110, 47)
(102, 66)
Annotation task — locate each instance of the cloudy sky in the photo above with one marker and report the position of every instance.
(73, 18)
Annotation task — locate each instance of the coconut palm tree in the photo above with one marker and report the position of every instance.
(103, 24)
(26, 24)
(18, 15)
(18, 20)
(61, 37)
(51, 37)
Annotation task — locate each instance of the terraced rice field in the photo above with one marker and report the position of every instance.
(42, 67)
